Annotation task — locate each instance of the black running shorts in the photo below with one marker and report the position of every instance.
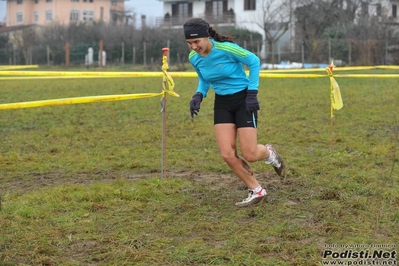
(231, 109)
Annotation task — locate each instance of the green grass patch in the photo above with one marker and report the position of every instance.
(80, 184)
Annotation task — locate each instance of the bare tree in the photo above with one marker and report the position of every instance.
(363, 22)
(23, 40)
(314, 17)
(274, 20)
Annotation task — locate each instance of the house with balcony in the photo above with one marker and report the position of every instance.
(245, 14)
(250, 14)
(44, 12)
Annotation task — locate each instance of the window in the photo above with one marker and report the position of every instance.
(87, 15)
(20, 17)
(378, 9)
(49, 15)
(19, 2)
(36, 17)
(36, 1)
(365, 9)
(249, 4)
(114, 3)
(182, 10)
(74, 0)
(216, 8)
(74, 15)
(394, 11)
(49, 1)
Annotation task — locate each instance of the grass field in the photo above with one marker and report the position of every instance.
(81, 184)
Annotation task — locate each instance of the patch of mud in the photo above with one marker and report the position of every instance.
(35, 181)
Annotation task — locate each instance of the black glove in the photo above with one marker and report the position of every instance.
(251, 102)
(195, 103)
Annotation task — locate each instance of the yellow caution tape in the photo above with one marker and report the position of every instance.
(17, 67)
(76, 100)
(58, 74)
(335, 92)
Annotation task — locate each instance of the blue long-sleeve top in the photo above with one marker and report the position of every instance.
(223, 69)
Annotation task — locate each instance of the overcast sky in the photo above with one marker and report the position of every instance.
(150, 8)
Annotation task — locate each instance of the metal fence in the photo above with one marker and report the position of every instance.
(348, 52)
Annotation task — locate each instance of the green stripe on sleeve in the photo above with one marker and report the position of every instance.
(231, 49)
(192, 53)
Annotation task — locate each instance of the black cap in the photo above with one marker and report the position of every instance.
(195, 30)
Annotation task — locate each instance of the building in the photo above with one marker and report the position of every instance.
(251, 14)
(243, 13)
(43, 12)
(246, 14)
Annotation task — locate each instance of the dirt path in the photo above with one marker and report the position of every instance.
(35, 181)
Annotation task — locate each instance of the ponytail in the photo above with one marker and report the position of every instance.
(219, 37)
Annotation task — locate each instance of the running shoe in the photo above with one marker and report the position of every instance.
(278, 162)
(253, 198)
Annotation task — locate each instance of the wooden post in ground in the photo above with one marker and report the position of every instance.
(67, 54)
(101, 53)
